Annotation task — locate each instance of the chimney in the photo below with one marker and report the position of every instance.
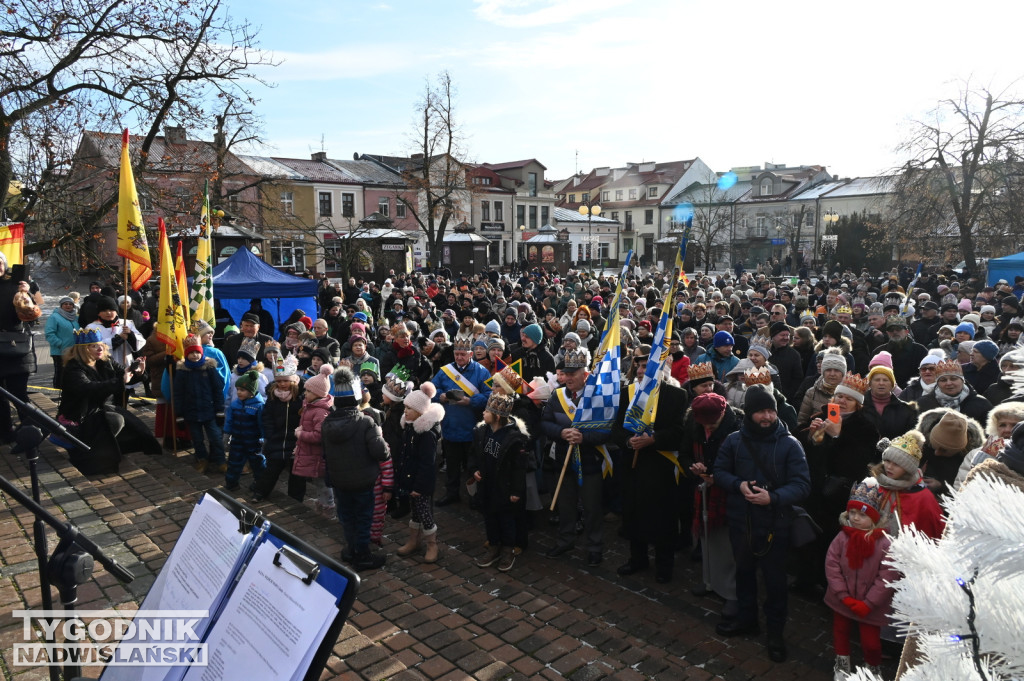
(174, 134)
(320, 156)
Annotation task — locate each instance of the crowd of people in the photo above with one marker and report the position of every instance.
(852, 404)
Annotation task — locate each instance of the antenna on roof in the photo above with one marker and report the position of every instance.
(322, 141)
(577, 172)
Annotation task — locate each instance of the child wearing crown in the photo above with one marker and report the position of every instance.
(858, 578)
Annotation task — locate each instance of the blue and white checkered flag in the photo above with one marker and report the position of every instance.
(599, 404)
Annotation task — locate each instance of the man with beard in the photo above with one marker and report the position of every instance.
(764, 472)
(906, 354)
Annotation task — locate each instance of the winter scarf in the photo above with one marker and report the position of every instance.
(861, 544)
(954, 401)
(70, 315)
(401, 352)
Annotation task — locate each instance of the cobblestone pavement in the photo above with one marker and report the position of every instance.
(546, 618)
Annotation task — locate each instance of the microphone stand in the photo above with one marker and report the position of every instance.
(72, 560)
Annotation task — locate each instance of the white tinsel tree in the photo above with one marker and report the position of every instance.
(962, 597)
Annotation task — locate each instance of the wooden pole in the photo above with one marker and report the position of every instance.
(561, 476)
(124, 319)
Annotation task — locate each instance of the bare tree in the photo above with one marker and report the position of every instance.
(712, 215)
(73, 65)
(436, 176)
(960, 159)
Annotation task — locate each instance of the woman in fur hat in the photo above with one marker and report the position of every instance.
(1002, 421)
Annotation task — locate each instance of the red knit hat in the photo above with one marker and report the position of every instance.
(192, 344)
(708, 408)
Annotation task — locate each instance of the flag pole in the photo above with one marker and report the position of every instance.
(171, 368)
(561, 476)
(124, 319)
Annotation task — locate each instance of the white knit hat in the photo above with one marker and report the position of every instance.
(419, 400)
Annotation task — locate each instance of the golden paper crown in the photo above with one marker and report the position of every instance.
(509, 380)
(700, 372)
(843, 309)
(948, 366)
(909, 444)
(462, 344)
(855, 382)
(577, 359)
(755, 376)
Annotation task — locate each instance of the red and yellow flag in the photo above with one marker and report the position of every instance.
(131, 233)
(182, 283)
(12, 242)
(171, 320)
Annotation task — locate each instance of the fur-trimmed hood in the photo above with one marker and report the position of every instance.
(427, 420)
(208, 363)
(927, 421)
(845, 344)
(998, 470)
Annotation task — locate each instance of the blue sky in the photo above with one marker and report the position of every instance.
(736, 83)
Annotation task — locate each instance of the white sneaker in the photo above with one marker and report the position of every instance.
(841, 670)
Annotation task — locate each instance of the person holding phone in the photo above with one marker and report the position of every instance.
(764, 472)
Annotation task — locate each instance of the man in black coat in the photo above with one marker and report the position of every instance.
(250, 328)
(786, 359)
(906, 354)
(651, 482)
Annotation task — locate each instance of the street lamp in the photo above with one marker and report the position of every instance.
(831, 219)
(515, 255)
(590, 210)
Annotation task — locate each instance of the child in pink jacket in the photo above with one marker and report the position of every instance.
(857, 579)
(309, 450)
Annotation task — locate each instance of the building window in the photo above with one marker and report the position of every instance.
(145, 203)
(627, 245)
(761, 228)
(499, 211)
(325, 204)
(384, 206)
(618, 194)
(632, 194)
(586, 198)
(399, 209)
(233, 204)
(532, 183)
(288, 254)
(482, 180)
(572, 198)
(629, 219)
(485, 211)
(652, 192)
(533, 217)
(766, 186)
(333, 252)
(544, 215)
(606, 196)
(615, 215)
(603, 251)
(649, 217)
(287, 203)
(520, 216)
(348, 205)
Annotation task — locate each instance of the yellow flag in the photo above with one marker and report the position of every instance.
(182, 284)
(171, 324)
(12, 242)
(201, 302)
(131, 234)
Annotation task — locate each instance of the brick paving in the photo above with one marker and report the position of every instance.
(546, 619)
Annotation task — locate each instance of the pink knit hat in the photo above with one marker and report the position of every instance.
(883, 358)
(320, 385)
(357, 329)
(964, 306)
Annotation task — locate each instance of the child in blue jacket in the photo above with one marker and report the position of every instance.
(243, 422)
(198, 398)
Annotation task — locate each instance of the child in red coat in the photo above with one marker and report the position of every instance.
(858, 590)
(904, 493)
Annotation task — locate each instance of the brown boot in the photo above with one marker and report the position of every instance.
(490, 558)
(430, 542)
(413, 543)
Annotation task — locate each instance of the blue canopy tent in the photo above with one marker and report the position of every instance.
(243, 277)
(1005, 268)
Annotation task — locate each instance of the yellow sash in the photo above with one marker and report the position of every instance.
(567, 406)
(671, 456)
(452, 372)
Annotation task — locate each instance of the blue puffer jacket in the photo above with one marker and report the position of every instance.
(777, 462)
(243, 421)
(198, 391)
(459, 422)
(60, 333)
